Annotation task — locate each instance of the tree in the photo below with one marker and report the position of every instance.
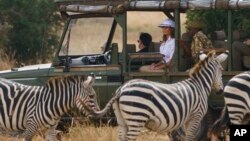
(34, 29)
(217, 19)
(211, 19)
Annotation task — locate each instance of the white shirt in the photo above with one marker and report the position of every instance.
(167, 49)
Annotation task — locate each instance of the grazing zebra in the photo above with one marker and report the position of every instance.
(237, 104)
(167, 107)
(26, 110)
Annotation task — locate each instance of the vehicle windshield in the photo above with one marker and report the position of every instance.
(86, 36)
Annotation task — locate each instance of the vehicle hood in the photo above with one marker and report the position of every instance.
(27, 68)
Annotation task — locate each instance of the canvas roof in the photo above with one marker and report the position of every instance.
(118, 6)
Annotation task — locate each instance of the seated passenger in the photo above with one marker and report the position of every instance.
(193, 43)
(167, 48)
(144, 41)
(240, 49)
(199, 40)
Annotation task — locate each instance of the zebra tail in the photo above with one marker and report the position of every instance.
(102, 112)
(220, 124)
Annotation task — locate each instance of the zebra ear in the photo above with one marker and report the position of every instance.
(202, 55)
(222, 57)
(90, 80)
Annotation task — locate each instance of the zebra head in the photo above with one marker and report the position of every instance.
(216, 61)
(87, 99)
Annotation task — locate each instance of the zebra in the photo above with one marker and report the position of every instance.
(237, 104)
(167, 107)
(27, 110)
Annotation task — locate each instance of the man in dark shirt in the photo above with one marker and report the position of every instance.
(144, 41)
(240, 49)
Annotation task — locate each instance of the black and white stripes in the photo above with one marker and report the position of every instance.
(237, 98)
(237, 103)
(24, 109)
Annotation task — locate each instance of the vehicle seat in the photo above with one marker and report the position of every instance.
(218, 39)
(131, 48)
(246, 61)
(114, 53)
(240, 35)
(154, 47)
(185, 61)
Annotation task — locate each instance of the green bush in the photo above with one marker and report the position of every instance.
(217, 19)
(34, 32)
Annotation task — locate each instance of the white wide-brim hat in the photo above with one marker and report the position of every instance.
(167, 23)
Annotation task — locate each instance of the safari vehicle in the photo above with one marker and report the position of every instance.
(96, 40)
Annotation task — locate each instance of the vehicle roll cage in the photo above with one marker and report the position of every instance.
(118, 6)
(171, 8)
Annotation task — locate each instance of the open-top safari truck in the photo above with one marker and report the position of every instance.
(96, 40)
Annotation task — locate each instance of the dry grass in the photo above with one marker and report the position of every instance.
(91, 133)
(6, 61)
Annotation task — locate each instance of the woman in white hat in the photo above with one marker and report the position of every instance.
(167, 48)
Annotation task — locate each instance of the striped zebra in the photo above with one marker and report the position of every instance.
(237, 104)
(167, 107)
(26, 110)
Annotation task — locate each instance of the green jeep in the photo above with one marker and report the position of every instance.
(96, 39)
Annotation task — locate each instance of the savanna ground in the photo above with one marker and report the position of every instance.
(91, 133)
(106, 133)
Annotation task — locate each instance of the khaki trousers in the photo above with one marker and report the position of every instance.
(146, 68)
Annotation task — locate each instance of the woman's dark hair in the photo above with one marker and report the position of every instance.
(145, 38)
(164, 37)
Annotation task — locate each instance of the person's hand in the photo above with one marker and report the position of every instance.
(247, 42)
(152, 66)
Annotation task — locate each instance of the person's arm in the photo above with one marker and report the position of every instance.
(218, 50)
(157, 66)
(168, 56)
(247, 42)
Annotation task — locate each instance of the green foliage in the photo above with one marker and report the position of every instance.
(4, 28)
(217, 19)
(241, 20)
(34, 29)
(211, 19)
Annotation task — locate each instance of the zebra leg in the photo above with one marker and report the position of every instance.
(178, 134)
(30, 131)
(192, 129)
(52, 134)
(134, 131)
(136, 125)
(122, 127)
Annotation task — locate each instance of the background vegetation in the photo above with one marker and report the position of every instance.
(217, 19)
(29, 29)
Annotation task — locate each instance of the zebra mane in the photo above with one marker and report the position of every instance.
(64, 78)
(202, 63)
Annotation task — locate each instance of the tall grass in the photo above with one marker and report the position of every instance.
(7, 61)
(91, 133)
